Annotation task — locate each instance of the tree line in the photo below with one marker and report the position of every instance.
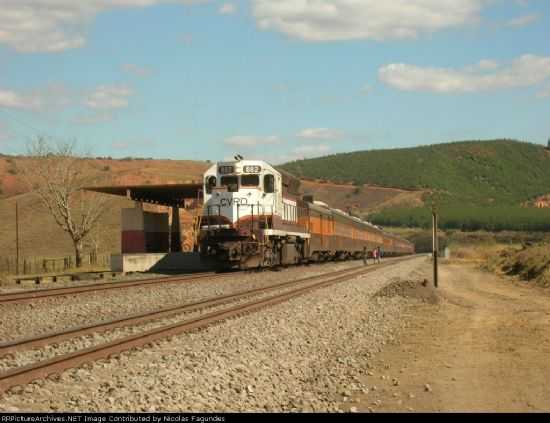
(468, 218)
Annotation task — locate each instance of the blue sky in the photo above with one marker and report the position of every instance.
(278, 80)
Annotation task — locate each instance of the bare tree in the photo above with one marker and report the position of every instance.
(57, 175)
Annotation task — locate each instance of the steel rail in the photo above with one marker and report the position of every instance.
(29, 295)
(137, 319)
(55, 365)
(22, 296)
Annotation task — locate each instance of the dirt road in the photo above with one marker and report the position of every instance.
(482, 345)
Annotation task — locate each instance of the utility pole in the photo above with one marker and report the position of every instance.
(435, 244)
(17, 235)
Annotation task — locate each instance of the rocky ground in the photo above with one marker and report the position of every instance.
(314, 353)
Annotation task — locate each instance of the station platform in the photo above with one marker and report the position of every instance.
(161, 262)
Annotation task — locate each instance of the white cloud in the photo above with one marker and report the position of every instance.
(522, 21)
(141, 71)
(14, 100)
(332, 20)
(482, 65)
(309, 150)
(57, 25)
(527, 70)
(227, 9)
(250, 141)
(94, 118)
(319, 134)
(299, 153)
(51, 97)
(101, 102)
(108, 97)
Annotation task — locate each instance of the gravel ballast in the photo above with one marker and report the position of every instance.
(307, 354)
(32, 355)
(58, 313)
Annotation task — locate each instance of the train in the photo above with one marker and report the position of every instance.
(254, 216)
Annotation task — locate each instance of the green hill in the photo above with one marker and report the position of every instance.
(473, 173)
(477, 184)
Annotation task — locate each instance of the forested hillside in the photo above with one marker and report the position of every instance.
(470, 173)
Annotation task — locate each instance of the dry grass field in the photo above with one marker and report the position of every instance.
(362, 199)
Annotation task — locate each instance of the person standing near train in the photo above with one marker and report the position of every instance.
(376, 253)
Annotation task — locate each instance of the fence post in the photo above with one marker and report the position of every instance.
(435, 246)
(17, 235)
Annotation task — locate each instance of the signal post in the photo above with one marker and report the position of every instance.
(435, 246)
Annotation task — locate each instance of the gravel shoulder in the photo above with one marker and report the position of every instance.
(308, 354)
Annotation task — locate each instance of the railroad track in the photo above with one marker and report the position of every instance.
(24, 296)
(35, 294)
(138, 319)
(55, 365)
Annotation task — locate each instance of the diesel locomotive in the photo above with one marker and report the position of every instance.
(254, 216)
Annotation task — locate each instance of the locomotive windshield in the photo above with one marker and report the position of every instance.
(269, 184)
(231, 183)
(210, 183)
(250, 180)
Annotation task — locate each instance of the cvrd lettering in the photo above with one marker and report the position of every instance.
(227, 202)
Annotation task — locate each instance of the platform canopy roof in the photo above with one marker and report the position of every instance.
(166, 195)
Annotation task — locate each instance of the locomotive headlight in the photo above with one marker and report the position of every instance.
(224, 170)
(252, 169)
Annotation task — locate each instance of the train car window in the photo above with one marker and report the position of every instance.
(250, 180)
(210, 183)
(231, 182)
(269, 184)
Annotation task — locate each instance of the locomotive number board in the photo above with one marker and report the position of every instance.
(252, 169)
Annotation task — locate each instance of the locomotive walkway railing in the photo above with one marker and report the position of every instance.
(258, 214)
